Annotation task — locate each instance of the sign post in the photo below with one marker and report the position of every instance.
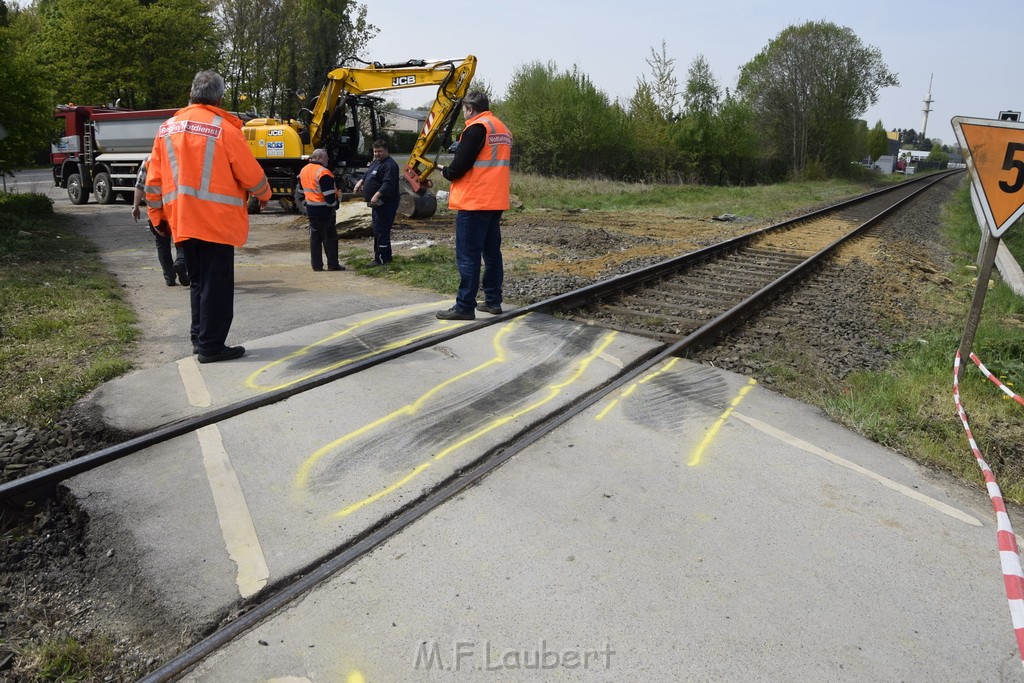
(995, 160)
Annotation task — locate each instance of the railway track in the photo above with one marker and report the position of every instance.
(685, 302)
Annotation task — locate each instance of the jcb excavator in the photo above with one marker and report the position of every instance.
(345, 119)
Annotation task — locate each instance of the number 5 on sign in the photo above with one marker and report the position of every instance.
(995, 158)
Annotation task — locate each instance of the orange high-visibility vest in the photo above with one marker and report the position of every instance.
(488, 185)
(309, 179)
(200, 175)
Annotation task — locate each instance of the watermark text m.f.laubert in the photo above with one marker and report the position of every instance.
(484, 655)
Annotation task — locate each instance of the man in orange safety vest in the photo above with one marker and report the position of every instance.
(200, 176)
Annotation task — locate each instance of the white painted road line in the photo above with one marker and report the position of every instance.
(195, 387)
(233, 513)
(843, 462)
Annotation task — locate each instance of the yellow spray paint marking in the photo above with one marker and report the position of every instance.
(632, 387)
(303, 475)
(698, 453)
(252, 380)
(553, 391)
(792, 440)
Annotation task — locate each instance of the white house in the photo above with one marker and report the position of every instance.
(913, 155)
(407, 119)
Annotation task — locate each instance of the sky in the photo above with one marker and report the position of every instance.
(972, 51)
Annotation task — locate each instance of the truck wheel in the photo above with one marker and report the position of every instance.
(77, 193)
(252, 205)
(101, 188)
(300, 204)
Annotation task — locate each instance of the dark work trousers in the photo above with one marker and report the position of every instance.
(383, 218)
(478, 235)
(211, 267)
(163, 254)
(323, 235)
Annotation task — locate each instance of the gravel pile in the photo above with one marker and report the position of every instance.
(24, 450)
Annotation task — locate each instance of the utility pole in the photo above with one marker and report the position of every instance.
(927, 107)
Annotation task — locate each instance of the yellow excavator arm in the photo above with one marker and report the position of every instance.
(452, 77)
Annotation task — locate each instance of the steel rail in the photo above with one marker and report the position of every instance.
(40, 484)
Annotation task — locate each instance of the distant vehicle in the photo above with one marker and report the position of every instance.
(101, 150)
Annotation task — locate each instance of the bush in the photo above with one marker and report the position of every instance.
(26, 205)
(402, 141)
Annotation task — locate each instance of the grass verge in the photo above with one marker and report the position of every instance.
(698, 201)
(67, 660)
(432, 268)
(64, 324)
(909, 405)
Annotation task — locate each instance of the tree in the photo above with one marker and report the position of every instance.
(26, 111)
(698, 133)
(878, 141)
(937, 154)
(664, 86)
(807, 86)
(562, 124)
(652, 149)
(145, 55)
(279, 50)
(702, 92)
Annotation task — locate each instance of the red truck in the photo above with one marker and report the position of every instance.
(101, 149)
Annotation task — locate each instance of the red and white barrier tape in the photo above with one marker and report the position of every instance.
(995, 380)
(1009, 557)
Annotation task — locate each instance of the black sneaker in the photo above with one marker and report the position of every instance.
(227, 353)
(455, 314)
(170, 280)
(337, 268)
(179, 268)
(493, 310)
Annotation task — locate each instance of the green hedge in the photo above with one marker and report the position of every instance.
(402, 141)
(18, 211)
(27, 204)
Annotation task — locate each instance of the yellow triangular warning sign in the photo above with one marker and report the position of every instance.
(995, 158)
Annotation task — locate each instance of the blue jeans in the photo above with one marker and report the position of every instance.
(383, 217)
(478, 235)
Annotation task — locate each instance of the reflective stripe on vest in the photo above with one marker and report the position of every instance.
(487, 185)
(309, 179)
(211, 131)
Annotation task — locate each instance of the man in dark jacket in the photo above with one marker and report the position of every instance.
(380, 187)
(481, 190)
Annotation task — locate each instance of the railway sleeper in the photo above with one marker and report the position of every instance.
(762, 262)
(662, 318)
(700, 288)
(688, 302)
(773, 254)
(699, 313)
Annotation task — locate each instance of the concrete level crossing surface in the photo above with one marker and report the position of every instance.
(692, 526)
(697, 527)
